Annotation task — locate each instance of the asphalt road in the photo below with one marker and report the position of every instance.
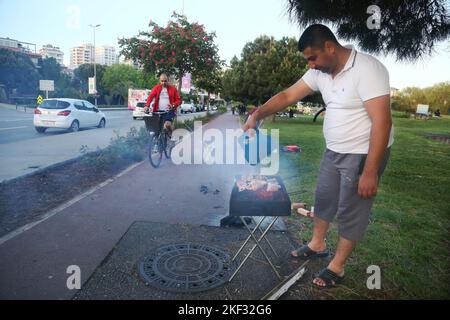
(16, 126)
(23, 150)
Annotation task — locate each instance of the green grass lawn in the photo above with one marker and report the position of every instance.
(408, 235)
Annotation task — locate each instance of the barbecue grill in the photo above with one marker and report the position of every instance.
(258, 202)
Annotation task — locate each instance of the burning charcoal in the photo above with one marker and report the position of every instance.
(248, 200)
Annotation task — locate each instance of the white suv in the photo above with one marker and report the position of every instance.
(69, 114)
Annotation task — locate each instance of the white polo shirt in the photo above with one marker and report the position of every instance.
(347, 124)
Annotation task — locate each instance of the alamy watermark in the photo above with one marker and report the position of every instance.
(374, 21)
(374, 281)
(74, 280)
(73, 21)
(214, 147)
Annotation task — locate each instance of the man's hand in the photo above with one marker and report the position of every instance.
(250, 124)
(368, 186)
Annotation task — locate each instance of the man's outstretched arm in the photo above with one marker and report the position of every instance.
(280, 101)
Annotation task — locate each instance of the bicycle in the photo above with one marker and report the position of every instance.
(159, 138)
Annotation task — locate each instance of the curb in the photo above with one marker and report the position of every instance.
(114, 109)
(67, 204)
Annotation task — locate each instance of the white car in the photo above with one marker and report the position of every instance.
(71, 114)
(187, 107)
(138, 112)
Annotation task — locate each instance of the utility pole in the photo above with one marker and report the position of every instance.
(95, 65)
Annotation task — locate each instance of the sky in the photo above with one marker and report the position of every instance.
(65, 24)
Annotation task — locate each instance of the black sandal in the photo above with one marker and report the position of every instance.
(329, 277)
(306, 252)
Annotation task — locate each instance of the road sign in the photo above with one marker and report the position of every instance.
(422, 109)
(46, 85)
(39, 100)
(92, 86)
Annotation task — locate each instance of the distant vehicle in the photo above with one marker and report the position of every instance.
(136, 101)
(138, 111)
(187, 107)
(136, 96)
(71, 114)
(200, 107)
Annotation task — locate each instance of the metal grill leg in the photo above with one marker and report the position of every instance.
(267, 240)
(248, 238)
(254, 247)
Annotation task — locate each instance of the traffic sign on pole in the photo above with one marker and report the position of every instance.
(39, 100)
(46, 85)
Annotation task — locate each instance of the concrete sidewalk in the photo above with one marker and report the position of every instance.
(33, 264)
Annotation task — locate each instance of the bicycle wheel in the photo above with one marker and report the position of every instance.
(155, 151)
(168, 146)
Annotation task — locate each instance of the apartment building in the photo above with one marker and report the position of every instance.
(106, 55)
(49, 51)
(81, 55)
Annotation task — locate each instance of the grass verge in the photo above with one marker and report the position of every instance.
(408, 234)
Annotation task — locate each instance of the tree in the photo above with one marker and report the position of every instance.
(118, 78)
(211, 82)
(179, 48)
(18, 73)
(81, 78)
(49, 69)
(407, 28)
(146, 80)
(437, 97)
(231, 81)
(267, 66)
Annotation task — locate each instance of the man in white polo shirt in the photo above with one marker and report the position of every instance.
(358, 133)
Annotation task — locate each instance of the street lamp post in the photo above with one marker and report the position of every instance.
(95, 67)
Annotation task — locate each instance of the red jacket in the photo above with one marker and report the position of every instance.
(174, 97)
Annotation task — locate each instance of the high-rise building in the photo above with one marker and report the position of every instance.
(106, 55)
(81, 55)
(49, 51)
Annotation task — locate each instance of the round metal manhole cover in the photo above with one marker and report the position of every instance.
(186, 267)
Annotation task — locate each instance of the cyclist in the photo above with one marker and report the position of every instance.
(166, 98)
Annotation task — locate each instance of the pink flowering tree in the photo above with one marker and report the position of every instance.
(179, 48)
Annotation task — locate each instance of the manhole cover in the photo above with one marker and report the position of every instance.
(186, 267)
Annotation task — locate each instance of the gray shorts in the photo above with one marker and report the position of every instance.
(337, 193)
